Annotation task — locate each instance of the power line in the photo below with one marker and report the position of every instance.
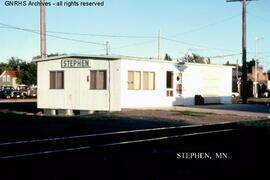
(258, 17)
(121, 47)
(95, 35)
(196, 45)
(138, 36)
(265, 4)
(182, 42)
(222, 56)
(58, 37)
(134, 44)
(207, 25)
(104, 35)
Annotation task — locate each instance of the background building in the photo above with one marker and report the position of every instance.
(9, 78)
(262, 80)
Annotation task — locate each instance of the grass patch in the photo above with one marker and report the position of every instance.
(192, 113)
(262, 123)
(6, 111)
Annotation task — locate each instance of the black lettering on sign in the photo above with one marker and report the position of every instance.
(75, 63)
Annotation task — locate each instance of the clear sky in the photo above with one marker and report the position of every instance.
(207, 27)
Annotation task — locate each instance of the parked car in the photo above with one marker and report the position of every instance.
(32, 92)
(27, 91)
(8, 92)
(235, 94)
(23, 89)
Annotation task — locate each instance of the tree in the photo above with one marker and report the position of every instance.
(3, 67)
(49, 55)
(167, 57)
(27, 74)
(235, 65)
(14, 63)
(208, 61)
(250, 64)
(195, 58)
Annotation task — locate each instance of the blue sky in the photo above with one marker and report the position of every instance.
(213, 28)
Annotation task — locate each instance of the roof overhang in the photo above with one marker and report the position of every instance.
(79, 56)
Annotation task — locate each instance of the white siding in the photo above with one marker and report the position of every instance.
(211, 81)
(214, 83)
(146, 98)
(76, 93)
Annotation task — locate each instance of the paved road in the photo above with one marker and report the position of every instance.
(238, 109)
(17, 100)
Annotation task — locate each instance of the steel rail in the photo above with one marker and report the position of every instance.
(81, 142)
(110, 144)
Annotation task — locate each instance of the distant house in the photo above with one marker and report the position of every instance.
(236, 77)
(236, 80)
(268, 82)
(262, 79)
(8, 78)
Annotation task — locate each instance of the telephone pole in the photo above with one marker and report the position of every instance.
(244, 50)
(107, 48)
(158, 55)
(256, 66)
(237, 70)
(42, 29)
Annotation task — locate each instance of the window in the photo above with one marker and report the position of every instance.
(98, 79)
(169, 79)
(5, 78)
(8, 78)
(134, 80)
(179, 84)
(56, 79)
(169, 83)
(148, 80)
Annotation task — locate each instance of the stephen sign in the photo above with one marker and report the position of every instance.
(75, 63)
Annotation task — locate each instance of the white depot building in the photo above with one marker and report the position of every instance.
(110, 83)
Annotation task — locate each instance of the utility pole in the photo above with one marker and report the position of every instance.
(256, 66)
(236, 70)
(107, 48)
(158, 55)
(244, 50)
(42, 29)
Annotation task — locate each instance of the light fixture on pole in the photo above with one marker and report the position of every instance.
(256, 67)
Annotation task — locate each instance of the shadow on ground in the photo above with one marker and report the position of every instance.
(256, 108)
(21, 126)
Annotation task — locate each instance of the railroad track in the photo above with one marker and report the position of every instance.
(40, 147)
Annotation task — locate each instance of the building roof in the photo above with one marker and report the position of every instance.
(109, 57)
(117, 57)
(11, 73)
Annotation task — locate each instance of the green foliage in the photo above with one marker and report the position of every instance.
(3, 67)
(208, 61)
(14, 63)
(26, 71)
(49, 55)
(195, 58)
(192, 113)
(167, 57)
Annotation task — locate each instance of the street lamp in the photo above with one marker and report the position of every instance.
(256, 66)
